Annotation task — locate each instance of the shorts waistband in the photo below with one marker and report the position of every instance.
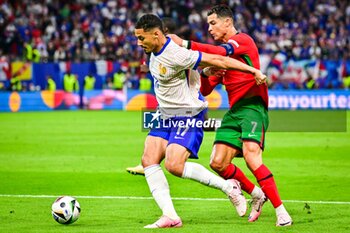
(247, 101)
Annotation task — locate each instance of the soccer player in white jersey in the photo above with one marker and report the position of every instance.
(194, 81)
(179, 103)
(169, 26)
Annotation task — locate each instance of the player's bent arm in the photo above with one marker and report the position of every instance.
(231, 64)
(207, 48)
(208, 84)
(226, 63)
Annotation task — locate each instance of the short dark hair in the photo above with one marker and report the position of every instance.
(148, 22)
(221, 11)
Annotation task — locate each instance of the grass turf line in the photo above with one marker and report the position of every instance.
(85, 153)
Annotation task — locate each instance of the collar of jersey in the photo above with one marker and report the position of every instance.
(165, 45)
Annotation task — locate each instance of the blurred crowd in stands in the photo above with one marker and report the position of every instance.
(90, 30)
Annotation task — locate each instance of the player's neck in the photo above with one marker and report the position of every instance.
(231, 32)
(162, 42)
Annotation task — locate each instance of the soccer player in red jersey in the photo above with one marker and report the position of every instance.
(175, 141)
(243, 127)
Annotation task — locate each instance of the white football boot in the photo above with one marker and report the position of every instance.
(237, 198)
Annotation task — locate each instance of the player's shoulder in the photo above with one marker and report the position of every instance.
(240, 37)
(172, 46)
(179, 54)
(173, 49)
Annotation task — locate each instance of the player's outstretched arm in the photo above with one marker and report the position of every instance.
(232, 64)
(206, 48)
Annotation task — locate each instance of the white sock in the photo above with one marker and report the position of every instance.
(257, 192)
(159, 188)
(197, 172)
(280, 210)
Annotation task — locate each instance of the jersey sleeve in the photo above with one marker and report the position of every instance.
(207, 48)
(236, 45)
(239, 44)
(208, 84)
(187, 59)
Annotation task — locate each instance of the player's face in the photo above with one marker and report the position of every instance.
(147, 40)
(217, 27)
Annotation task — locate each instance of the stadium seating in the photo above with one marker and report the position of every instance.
(88, 30)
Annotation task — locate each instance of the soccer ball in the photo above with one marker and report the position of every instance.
(66, 210)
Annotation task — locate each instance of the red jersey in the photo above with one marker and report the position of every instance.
(238, 84)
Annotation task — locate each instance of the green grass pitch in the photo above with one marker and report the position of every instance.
(85, 153)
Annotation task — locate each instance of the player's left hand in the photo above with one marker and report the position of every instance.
(260, 78)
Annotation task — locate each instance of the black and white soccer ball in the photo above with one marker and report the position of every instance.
(66, 210)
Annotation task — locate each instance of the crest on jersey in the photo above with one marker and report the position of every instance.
(233, 42)
(162, 70)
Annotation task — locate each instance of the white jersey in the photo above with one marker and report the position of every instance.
(194, 82)
(177, 93)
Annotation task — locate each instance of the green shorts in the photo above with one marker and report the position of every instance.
(247, 120)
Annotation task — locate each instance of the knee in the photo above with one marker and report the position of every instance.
(217, 164)
(174, 166)
(253, 156)
(148, 160)
(250, 147)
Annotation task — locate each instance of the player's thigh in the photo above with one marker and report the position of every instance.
(175, 158)
(184, 143)
(189, 137)
(229, 133)
(252, 154)
(154, 150)
(254, 123)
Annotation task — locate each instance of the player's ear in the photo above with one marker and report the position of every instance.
(155, 34)
(230, 21)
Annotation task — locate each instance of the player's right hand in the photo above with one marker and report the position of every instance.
(260, 78)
